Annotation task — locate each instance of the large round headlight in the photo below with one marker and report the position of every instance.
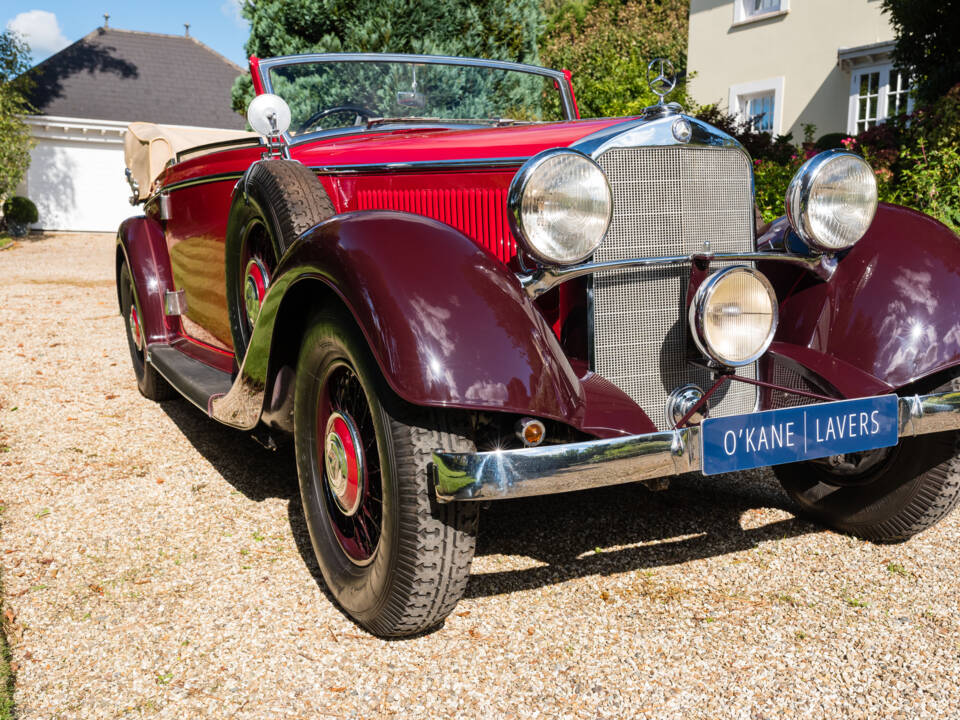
(831, 200)
(734, 315)
(560, 206)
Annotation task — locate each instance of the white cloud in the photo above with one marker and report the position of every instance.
(231, 8)
(41, 31)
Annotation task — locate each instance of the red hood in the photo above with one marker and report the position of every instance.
(435, 144)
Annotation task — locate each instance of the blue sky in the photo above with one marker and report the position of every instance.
(50, 26)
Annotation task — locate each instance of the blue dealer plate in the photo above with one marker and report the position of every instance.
(774, 437)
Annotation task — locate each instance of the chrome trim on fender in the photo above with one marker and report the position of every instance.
(544, 278)
(550, 469)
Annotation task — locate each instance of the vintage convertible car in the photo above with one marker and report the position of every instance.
(448, 288)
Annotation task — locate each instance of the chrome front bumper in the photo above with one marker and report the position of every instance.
(577, 466)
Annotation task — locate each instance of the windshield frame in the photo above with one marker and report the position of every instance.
(263, 68)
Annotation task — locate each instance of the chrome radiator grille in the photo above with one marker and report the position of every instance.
(666, 201)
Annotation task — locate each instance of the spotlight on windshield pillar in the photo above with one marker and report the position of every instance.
(530, 431)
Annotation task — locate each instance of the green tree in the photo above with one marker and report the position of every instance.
(14, 133)
(496, 29)
(607, 45)
(928, 43)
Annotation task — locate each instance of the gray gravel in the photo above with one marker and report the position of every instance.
(155, 564)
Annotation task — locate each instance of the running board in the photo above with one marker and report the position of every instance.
(196, 381)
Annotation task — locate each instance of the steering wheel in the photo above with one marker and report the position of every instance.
(358, 110)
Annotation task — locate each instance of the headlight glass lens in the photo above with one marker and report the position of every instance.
(560, 206)
(734, 315)
(832, 199)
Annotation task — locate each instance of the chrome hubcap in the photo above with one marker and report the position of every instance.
(255, 284)
(134, 322)
(343, 462)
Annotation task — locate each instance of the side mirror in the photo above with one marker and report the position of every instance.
(269, 115)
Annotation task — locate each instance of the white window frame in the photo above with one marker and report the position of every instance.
(744, 91)
(742, 15)
(884, 94)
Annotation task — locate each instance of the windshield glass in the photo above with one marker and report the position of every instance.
(340, 94)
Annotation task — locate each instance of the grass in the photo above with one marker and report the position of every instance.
(5, 240)
(6, 673)
(6, 681)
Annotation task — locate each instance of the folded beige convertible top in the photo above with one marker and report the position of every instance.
(148, 147)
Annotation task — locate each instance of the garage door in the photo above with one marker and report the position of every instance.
(78, 185)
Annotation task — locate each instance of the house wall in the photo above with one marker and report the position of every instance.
(798, 46)
(76, 174)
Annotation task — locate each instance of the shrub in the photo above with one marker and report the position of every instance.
(607, 45)
(20, 210)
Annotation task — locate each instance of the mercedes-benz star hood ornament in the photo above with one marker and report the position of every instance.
(662, 79)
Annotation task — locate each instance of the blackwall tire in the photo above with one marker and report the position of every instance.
(150, 383)
(275, 202)
(915, 486)
(412, 574)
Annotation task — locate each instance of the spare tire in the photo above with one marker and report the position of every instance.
(275, 202)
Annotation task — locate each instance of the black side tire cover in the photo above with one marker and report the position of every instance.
(288, 199)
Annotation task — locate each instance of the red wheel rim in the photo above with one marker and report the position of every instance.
(135, 331)
(255, 283)
(349, 465)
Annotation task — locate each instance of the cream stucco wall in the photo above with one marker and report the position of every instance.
(799, 45)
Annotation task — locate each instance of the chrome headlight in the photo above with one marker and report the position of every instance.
(831, 200)
(733, 315)
(560, 206)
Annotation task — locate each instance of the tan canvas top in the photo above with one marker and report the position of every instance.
(148, 147)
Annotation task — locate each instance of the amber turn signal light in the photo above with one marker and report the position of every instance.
(531, 432)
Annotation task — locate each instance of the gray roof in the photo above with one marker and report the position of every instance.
(125, 75)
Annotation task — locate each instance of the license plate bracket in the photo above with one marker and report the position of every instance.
(806, 432)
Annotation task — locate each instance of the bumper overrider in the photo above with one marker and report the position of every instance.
(549, 469)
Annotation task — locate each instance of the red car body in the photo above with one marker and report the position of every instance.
(421, 250)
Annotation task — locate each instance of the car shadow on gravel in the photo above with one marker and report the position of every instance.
(627, 527)
(632, 527)
(254, 470)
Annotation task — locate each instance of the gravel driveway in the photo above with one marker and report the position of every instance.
(155, 564)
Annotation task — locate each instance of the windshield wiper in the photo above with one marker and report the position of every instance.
(497, 122)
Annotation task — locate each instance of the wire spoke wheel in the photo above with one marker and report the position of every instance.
(396, 560)
(350, 461)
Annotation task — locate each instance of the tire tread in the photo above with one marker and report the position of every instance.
(437, 540)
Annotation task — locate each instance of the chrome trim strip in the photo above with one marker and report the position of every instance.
(418, 166)
(192, 182)
(550, 469)
(546, 278)
(652, 132)
(223, 144)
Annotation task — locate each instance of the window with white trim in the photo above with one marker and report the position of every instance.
(876, 94)
(747, 10)
(759, 110)
(760, 104)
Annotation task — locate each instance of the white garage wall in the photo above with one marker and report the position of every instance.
(76, 174)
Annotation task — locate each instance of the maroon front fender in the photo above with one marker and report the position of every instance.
(142, 243)
(890, 310)
(448, 324)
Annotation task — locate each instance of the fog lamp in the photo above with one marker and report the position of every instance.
(733, 316)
